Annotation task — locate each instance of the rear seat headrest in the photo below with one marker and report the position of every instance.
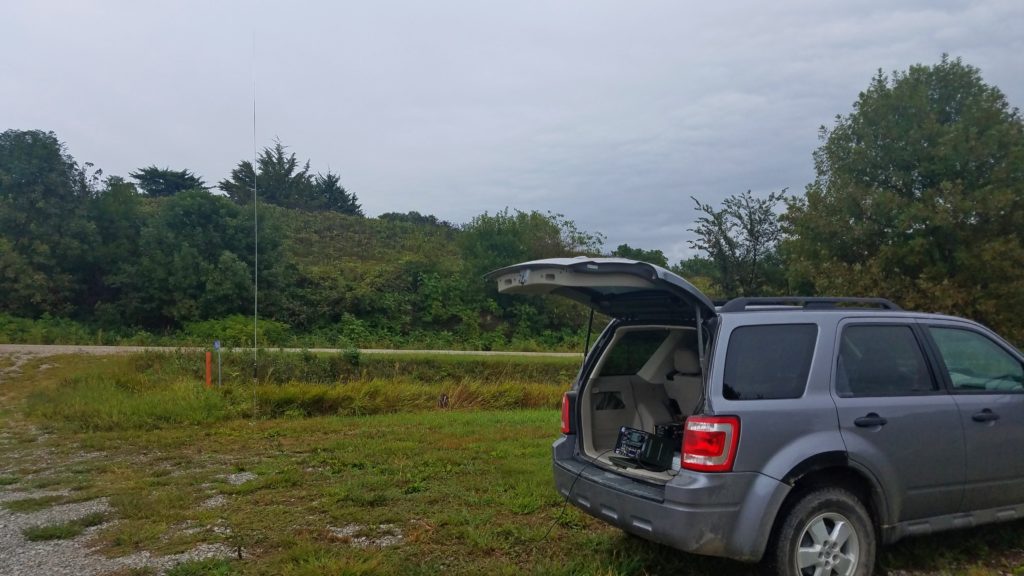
(686, 362)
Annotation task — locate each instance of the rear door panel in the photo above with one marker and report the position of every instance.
(895, 419)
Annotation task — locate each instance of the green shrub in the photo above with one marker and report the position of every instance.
(45, 330)
(236, 331)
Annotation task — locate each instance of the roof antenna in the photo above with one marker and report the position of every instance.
(256, 241)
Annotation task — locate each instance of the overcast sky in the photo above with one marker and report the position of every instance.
(612, 113)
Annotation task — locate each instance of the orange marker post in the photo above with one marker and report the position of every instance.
(209, 376)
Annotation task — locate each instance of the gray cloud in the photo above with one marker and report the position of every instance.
(612, 113)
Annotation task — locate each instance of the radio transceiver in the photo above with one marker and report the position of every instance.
(637, 448)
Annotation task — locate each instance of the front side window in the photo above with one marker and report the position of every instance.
(976, 363)
(881, 360)
(768, 362)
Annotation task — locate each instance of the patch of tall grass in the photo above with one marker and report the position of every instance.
(157, 390)
(383, 397)
(91, 403)
(278, 367)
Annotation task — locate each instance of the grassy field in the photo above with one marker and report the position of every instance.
(361, 474)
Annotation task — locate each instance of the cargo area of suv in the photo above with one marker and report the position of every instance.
(648, 378)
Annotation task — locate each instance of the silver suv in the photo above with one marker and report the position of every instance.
(799, 432)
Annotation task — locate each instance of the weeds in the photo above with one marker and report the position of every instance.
(26, 505)
(383, 397)
(209, 567)
(65, 530)
(91, 404)
(154, 390)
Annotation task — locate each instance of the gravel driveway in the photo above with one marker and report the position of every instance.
(28, 455)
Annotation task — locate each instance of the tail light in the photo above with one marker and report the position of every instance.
(709, 443)
(566, 405)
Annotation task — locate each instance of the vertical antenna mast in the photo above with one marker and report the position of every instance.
(256, 240)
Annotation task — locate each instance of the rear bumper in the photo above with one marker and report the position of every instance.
(724, 514)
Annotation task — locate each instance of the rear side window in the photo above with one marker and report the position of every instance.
(769, 362)
(632, 351)
(881, 360)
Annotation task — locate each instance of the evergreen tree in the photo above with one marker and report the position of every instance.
(328, 194)
(166, 182)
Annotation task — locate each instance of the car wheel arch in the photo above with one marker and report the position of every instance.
(836, 469)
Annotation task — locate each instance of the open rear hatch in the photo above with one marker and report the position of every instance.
(648, 375)
(620, 288)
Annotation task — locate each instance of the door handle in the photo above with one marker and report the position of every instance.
(985, 415)
(870, 421)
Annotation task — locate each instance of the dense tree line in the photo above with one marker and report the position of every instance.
(918, 196)
(166, 253)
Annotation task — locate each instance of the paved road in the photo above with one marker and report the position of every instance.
(54, 349)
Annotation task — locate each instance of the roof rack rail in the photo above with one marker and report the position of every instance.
(740, 304)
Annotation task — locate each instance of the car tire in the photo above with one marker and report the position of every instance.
(826, 532)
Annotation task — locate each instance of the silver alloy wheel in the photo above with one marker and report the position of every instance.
(828, 544)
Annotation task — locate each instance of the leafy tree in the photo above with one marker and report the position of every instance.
(507, 237)
(695, 266)
(651, 256)
(117, 214)
(196, 255)
(741, 239)
(166, 182)
(47, 238)
(919, 196)
(22, 284)
(700, 272)
(329, 194)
